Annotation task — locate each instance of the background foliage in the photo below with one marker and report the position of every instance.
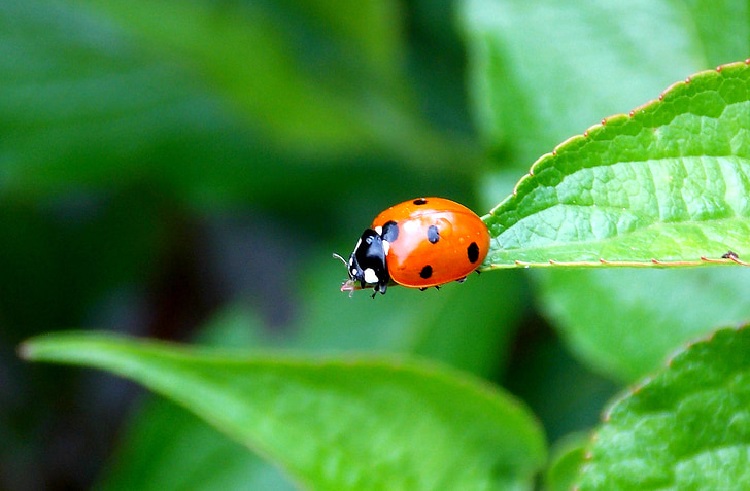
(183, 170)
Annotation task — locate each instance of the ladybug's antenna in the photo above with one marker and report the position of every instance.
(342, 259)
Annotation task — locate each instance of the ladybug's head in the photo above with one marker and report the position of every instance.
(366, 264)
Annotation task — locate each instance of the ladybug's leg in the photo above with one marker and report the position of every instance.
(380, 287)
(461, 280)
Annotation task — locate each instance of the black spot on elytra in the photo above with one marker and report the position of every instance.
(433, 235)
(426, 272)
(473, 251)
(420, 201)
(390, 231)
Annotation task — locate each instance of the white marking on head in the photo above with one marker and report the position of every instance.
(386, 247)
(353, 272)
(370, 276)
(379, 230)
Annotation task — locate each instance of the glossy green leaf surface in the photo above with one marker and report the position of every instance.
(666, 184)
(687, 427)
(345, 423)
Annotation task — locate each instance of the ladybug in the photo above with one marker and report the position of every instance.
(419, 243)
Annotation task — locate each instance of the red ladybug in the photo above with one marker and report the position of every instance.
(418, 243)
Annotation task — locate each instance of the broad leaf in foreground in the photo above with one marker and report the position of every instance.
(345, 423)
(152, 455)
(686, 428)
(147, 459)
(665, 185)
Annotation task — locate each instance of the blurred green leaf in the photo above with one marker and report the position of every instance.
(81, 106)
(218, 101)
(164, 447)
(543, 372)
(168, 448)
(625, 323)
(565, 463)
(344, 423)
(543, 70)
(299, 73)
(687, 427)
(722, 28)
(467, 326)
(667, 184)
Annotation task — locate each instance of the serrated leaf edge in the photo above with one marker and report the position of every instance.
(641, 384)
(730, 258)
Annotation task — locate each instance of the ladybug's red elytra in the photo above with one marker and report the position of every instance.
(419, 243)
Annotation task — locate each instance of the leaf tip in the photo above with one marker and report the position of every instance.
(25, 350)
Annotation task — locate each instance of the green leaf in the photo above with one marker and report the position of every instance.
(688, 427)
(565, 462)
(466, 326)
(346, 423)
(665, 185)
(541, 70)
(300, 72)
(165, 448)
(219, 102)
(722, 28)
(82, 105)
(624, 323)
(152, 455)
